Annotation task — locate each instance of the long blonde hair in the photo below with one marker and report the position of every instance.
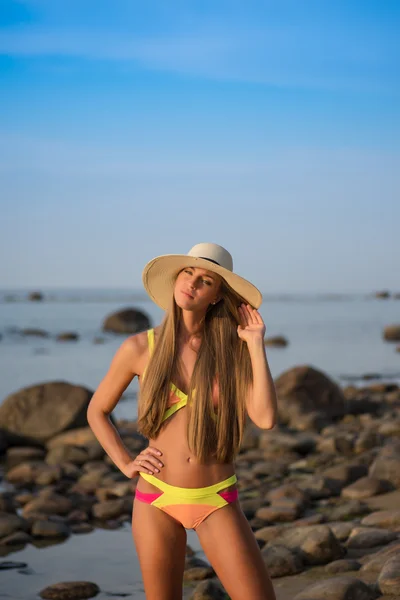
(222, 357)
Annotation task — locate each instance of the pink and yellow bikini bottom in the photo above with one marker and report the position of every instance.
(189, 506)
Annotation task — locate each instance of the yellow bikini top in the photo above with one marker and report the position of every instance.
(177, 399)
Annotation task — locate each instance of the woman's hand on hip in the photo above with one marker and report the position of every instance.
(147, 461)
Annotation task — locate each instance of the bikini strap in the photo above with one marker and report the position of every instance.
(150, 340)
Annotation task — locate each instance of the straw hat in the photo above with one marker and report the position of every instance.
(160, 273)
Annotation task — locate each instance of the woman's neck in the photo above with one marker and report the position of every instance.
(190, 326)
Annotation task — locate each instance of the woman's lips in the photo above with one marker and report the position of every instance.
(186, 294)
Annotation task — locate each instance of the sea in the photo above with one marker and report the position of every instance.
(340, 334)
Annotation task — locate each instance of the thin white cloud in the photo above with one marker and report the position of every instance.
(274, 56)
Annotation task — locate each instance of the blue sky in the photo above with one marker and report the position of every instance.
(130, 129)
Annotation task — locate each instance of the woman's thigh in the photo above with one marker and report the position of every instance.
(161, 547)
(231, 548)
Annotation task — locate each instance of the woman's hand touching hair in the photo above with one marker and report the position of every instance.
(146, 462)
(252, 327)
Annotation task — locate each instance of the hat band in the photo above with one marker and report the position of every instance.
(210, 259)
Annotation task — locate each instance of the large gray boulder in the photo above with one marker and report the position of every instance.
(42, 411)
(303, 390)
(129, 320)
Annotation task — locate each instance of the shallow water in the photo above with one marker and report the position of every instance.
(105, 557)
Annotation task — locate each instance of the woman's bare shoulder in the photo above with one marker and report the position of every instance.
(138, 346)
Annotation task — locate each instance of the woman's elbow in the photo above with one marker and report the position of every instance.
(93, 412)
(263, 422)
(267, 424)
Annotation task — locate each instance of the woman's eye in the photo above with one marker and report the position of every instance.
(206, 281)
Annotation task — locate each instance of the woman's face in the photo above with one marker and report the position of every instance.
(196, 289)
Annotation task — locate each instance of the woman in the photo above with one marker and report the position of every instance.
(200, 372)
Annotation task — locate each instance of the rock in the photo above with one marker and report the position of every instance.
(341, 530)
(314, 519)
(316, 543)
(81, 528)
(192, 561)
(345, 474)
(304, 389)
(376, 561)
(391, 428)
(49, 529)
(30, 331)
(251, 438)
(50, 474)
(75, 437)
(95, 466)
(348, 510)
(391, 333)
(112, 508)
(11, 523)
(48, 504)
(343, 565)
(117, 490)
(287, 490)
(67, 336)
(318, 487)
(68, 453)
(368, 537)
(90, 482)
(278, 512)
(268, 468)
(7, 502)
(18, 538)
(278, 340)
(198, 573)
(249, 507)
(208, 590)
(365, 487)
(267, 534)
(23, 498)
(389, 577)
(30, 472)
(70, 590)
(35, 296)
(383, 518)
(302, 443)
(10, 564)
(129, 320)
(314, 420)
(17, 455)
(338, 588)
(366, 440)
(387, 465)
(9, 439)
(338, 443)
(281, 561)
(28, 411)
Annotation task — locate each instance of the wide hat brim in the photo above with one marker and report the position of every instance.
(160, 273)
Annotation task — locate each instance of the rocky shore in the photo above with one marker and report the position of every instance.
(321, 490)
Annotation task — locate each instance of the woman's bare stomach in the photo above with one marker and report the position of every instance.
(181, 468)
